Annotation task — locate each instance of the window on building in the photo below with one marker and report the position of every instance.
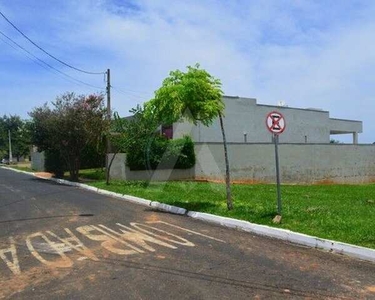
(167, 131)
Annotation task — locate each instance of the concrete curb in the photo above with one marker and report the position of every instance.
(168, 208)
(263, 230)
(289, 236)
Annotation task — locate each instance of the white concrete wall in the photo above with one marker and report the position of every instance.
(338, 125)
(37, 161)
(299, 163)
(119, 170)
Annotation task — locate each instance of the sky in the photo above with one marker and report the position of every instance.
(309, 54)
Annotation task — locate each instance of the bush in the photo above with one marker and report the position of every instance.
(162, 153)
(93, 157)
(54, 163)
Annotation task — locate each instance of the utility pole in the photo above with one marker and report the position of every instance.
(10, 148)
(108, 94)
(108, 146)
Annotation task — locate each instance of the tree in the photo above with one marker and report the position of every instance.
(71, 125)
(196, 96)
(20, 136)
(130, 135)
(333, 141)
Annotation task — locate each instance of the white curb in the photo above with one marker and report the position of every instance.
(289, 236)
(89, 188)
(137, 200)
(168, 208)
(277, 233)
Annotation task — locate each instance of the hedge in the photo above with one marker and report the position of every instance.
(161, 153)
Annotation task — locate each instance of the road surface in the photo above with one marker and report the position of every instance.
(61, 242)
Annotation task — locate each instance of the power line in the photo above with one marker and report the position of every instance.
(126, 91)
(45, 63)
(126, 94)
(134, 91)
(29, 56)
(40, 48)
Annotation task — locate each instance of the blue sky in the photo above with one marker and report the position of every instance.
(307, 53)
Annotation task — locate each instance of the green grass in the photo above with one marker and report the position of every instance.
(89, 174)
(344, 213)
(92, 174)
(21, 168)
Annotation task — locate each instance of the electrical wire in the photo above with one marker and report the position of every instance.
(127, 94)
(45, 63)
(129, 91)
(32, 59)
(52, 56)
(38, 63)
(140, 93)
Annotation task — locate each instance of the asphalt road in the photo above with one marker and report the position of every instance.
(60, 242)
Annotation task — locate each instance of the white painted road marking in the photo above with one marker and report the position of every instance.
(124, 240)
(13, 264)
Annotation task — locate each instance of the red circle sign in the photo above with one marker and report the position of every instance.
(275, 122)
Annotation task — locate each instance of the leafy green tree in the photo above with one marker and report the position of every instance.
(69, 127)
(20, 136)
(146, 149)
(133, 132)
(130, 135)
(196, 96)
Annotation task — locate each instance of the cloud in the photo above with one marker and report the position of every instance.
(307, 53)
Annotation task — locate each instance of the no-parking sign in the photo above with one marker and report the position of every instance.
(275, 122)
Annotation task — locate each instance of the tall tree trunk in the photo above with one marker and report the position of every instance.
(70, 167)
(74, 166)
(227, 173)
(77, 166)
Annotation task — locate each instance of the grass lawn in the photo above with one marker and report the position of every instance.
(22, 167)
(92, 174)
(339, 212)
(87, 175)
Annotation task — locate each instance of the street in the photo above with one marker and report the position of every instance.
(60, 242)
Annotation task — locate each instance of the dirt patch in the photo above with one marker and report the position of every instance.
(74, 218)
(325, 182)
(43, 175)
(33, 277)
(236, 181)
(92, 277)
(152, 218)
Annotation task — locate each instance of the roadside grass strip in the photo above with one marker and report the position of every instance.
(335, 212)
(21, 168)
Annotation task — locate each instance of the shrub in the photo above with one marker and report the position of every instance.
(93, 156)
(162, 153)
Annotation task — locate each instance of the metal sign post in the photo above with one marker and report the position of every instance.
(276, 139)
(275, 123)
